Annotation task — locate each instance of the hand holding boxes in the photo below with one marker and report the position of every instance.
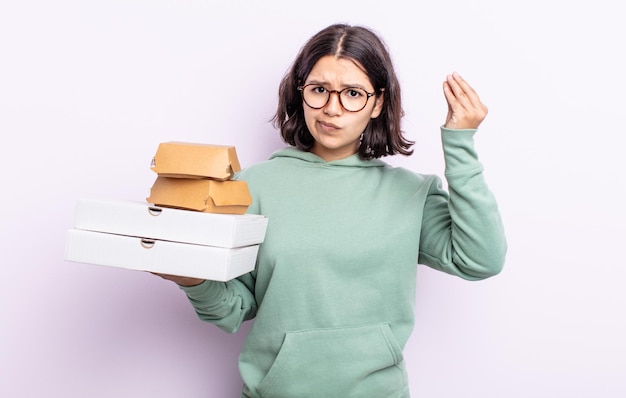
(216, 241)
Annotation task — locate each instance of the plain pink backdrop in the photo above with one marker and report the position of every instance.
(89, 89)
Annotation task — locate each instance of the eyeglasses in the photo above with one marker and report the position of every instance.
(352, 99)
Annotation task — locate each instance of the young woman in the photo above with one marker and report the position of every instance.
(333, 291)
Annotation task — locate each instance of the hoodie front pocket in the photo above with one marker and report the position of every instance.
(360, 361)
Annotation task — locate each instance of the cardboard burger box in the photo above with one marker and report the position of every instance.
(139, 236)
(192, 160)
(206, 195)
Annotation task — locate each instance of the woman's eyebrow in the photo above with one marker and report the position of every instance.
(344, 85)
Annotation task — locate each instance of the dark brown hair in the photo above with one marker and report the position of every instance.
(383, 135)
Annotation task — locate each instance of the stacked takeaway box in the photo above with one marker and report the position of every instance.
(198, 177)
(192, 224)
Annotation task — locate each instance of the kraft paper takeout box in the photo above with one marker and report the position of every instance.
(191, 160)
(206, 195)
(161, 256)
(144, 220)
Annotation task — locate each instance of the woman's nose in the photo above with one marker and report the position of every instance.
(333, 106)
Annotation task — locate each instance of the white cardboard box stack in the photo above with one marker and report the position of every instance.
(142, 236)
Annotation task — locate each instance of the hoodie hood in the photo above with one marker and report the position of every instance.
(313, 159)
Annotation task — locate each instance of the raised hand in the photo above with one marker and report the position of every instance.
(465, 110)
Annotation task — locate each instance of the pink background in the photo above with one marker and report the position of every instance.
(89, 89)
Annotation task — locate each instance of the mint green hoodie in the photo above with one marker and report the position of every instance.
(334, 289)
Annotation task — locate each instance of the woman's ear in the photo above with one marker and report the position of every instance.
(378, 106)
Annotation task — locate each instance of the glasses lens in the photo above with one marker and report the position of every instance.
(315, 96)
(353, 99)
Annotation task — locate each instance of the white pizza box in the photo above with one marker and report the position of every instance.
(161, 256)
(164, 223)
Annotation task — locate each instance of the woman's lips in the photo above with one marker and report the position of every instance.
(328, 127)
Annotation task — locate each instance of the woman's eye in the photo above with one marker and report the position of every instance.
(319, 90)
(353, 93)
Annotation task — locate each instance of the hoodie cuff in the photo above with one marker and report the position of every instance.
(207, 291)
(458, 149)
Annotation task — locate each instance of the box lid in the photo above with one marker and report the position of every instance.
(134, 218)
(195, 160)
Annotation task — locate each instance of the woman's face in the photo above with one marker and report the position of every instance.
(337, 131)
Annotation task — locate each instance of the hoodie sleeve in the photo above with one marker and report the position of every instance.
(462, 232)
(224, 304)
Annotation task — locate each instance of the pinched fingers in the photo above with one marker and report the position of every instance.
(465, 110)
(462, 90)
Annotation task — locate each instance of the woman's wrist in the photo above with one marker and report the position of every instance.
(189, 282)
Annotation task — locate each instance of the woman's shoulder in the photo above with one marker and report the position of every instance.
(270, 166)
(405, 174)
